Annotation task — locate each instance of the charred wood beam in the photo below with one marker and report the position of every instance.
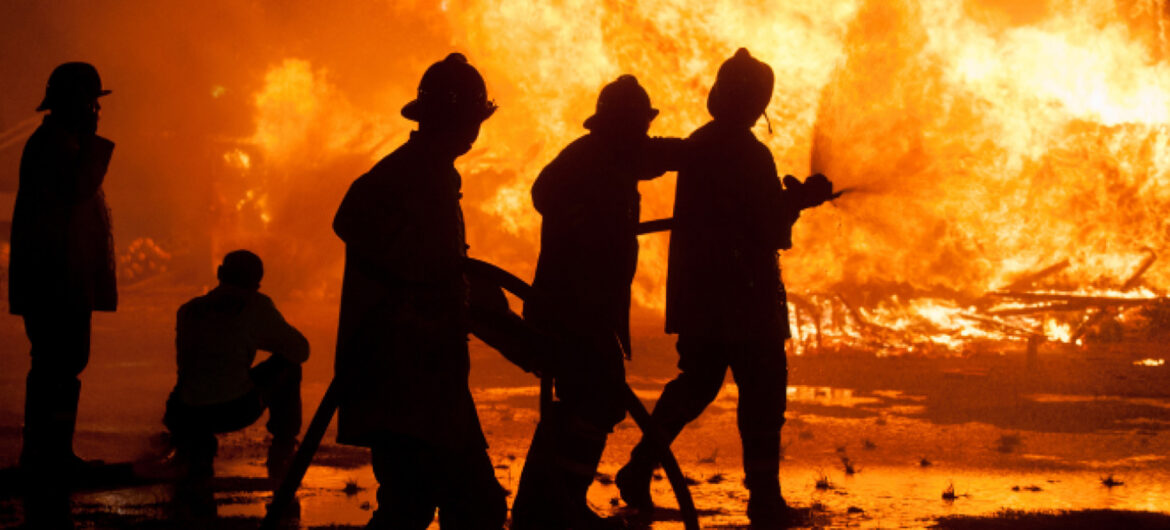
(1137, 274)
(1086, 299)
(1030, 279)
(1075, 305)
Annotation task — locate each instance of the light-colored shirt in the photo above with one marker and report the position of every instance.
(216, 337)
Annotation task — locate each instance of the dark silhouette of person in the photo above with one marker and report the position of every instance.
(218, 390)
(402, 352)
(62, 262)
(724, 297)
(589, 202)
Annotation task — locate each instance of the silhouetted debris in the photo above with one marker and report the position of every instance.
(351, 487)
(868, 445)
(1059, 520)
(823, 482)
(848, 464)
(1110, 481)
(1008, 443)
(925, 462)
(710, 459)
(603, 478)
(690, 480)
(854, 509)
(717, 478)
(948, 494)
(657, 476)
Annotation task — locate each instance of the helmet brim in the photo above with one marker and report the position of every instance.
(597, 119)
(47, 103)
(417, 110)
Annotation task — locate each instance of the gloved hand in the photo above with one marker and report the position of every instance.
(814, 191)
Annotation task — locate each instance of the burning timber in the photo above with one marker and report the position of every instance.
(1025, 312)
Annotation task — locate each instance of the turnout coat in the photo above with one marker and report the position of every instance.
(731, 215)
(62, 255)
(588, 198)
(402, 356)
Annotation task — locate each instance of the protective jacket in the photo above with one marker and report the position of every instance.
(402, 341)
(731, 215)
(62, 243)
(589, 201)
(216, 338)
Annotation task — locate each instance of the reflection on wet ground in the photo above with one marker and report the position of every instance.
(901, 466)
(1003, 434)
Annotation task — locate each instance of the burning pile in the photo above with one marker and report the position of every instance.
(1029, 310)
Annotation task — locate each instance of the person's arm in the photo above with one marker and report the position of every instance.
(661, 154)
(777, 210)
(272, 333)
(92, 162)
(375, 230)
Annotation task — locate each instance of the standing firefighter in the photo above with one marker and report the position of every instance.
(402, 338)
(62, 264)
(588, 197)
(724, 298)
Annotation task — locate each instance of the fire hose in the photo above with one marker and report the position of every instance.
(493, 332)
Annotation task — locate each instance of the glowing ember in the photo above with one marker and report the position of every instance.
(1150, 362)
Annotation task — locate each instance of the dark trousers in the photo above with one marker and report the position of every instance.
(761, 373)
(416, 477)
(277, 388)
(589, 378)
(60, 351)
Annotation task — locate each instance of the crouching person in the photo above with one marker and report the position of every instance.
(218, 389)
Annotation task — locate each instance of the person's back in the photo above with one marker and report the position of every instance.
(589, 204)
(722, 277)
(216, 339)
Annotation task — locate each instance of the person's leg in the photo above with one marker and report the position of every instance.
(60, 351)
(471, 498)
(192, 437)
(406, 470)
(761, 373)
(193, 428)
(703, 365)
(279, 383)
(569, 440)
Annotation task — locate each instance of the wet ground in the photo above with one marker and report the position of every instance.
(996, 430)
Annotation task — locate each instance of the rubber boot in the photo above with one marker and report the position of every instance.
(633, 479)
(281, 451)
(560, 467)
(533, 507)
(50, 412)
(761, 461)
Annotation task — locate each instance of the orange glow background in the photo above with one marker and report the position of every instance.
(986, 138)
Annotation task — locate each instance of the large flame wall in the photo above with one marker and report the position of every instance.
(983, 139)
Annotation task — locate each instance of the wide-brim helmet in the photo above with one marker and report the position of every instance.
(622, 101)
(742, 89)
(72, 82)
(450, 89)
